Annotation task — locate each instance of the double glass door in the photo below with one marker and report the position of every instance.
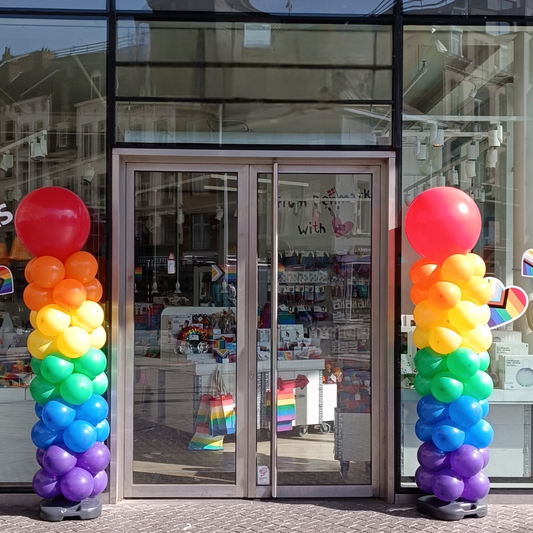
(250, 299)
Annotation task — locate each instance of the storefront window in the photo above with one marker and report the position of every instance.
(235, 83)
(466, 7)
(466, 124)
(272, 7)
(46, 102)
(55, 4)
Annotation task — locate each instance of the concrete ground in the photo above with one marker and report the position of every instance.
(235, 516)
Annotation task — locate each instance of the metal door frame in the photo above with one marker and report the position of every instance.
(247, 163)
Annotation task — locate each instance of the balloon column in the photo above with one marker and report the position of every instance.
(451, 315)
(63, 294)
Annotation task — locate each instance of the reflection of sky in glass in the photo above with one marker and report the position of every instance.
(24, 35)
(55, 4)
(298, 7)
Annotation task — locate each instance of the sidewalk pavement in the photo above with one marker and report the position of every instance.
(236, 516)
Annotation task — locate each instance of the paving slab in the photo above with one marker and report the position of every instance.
(295, 516)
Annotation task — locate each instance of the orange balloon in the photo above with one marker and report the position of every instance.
(47, 271)
(81, 266)
(36, 297)
(480, 269)
(420, 271)
(418, 294)
(27, 270)
(94, 290)
(436, 276)
(458, 268)
(477, 290)
(69, 293)
(444, 295)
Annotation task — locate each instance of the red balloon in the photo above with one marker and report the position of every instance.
(52, 221)
(441, 222)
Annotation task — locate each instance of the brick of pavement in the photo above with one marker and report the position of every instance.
(243, 516)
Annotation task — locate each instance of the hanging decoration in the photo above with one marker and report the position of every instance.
(452, 333)
(67, 358)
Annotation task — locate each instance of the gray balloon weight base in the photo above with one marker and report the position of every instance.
(55, 509)
(430, 505)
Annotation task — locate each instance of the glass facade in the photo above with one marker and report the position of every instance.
(454, 106)
(52, 132)
(467, 117)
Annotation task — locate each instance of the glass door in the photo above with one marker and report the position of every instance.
(247, 377)
(315, 320)
(187, 344)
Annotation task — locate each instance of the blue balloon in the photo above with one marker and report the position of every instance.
(423, 430)
(39, 409)
(480, 435)
(431, 410)
(94, 410)
(466, 411)
(447, 436)
(102, 429)
(79, 436)
(485, 406)
(43, 437)
(58, 414)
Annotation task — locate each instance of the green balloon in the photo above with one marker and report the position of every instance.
(429, 363)
(56, 369)
(484, 361)
(76, 389)
(446, 388)
(91, 364)
(100, 383)
(479, 386)
(422, 385)
(42, 391)
(463, 363)
(35, 365)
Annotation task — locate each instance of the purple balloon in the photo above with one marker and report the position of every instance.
(466, 461)
(77, 485)
(95, 459)
(447, 485)
(46, 485)
(58, 460)
(424, 479)
(100, 483)
(476, 487)
(39, 456)
(431, 457)
(485, 452)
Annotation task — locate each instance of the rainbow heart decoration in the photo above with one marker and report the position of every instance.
(527, 264)
(506, 303)
(6, 281)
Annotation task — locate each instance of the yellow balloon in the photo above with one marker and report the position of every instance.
(444, 295)
(480, 269)
(88, 316)
(73, 342)
(40, 345)
(427, 316)
(477, 290)
(479, 339)
(33, 319)
(484, 314)
(98, 337)
(444, 340)
(465, 316)
(52, 320)
(420, 338)
(458, 268)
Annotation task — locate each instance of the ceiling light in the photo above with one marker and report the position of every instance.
(441, 180)
(422, 154)
(492, 158)
(219, 213)
(89, 174)
(470, 169)
(407, 197)
(39, 148)
(7, 162)
(494, 137)
(472, 151)
(454, 177)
